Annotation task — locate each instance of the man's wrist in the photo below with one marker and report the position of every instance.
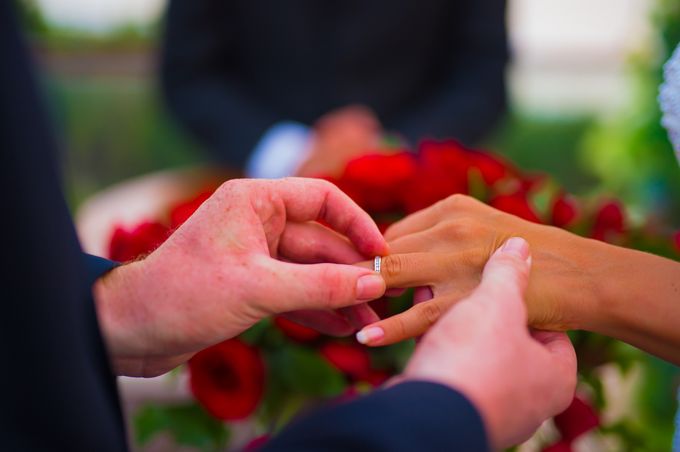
(116, 301)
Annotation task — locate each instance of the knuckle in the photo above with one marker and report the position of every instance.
(456, 199)
(334, 289)
(312, 184)
(430, 313)
(401, 328)
(393, 265)
(229, 186)
(389, 232)
(455, 202)
(466, 227)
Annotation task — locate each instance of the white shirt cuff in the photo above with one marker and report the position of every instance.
(280, 151)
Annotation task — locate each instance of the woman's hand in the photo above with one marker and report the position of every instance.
(231, 265)
(445, 248)
(575, 283)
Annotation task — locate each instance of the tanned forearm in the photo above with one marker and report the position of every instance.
(638, 300)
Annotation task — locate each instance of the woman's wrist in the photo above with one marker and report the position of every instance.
(637, 299)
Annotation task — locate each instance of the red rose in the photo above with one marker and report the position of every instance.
(676, 241)
(560, 446)
(182, 211)
(228, 379)
(492, 168)
(296, 331)
(576, 420)
(377, 182)
(381, 306)
(516, 204)
(376, 377)
(129, 245)
(257, 443)
(442, 171)
(350, 359)
(609, 222)
(564, 211)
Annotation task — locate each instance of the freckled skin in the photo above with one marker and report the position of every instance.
(218, 274)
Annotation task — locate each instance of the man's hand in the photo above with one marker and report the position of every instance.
(442, 251)
(231, 265)
(482, 348)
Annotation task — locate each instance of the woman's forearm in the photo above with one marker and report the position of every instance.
(638, 300)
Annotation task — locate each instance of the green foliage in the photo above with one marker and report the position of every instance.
(297, 377)
(547, 145)
(630, 151)
(303, 371)
(31, 17)
(188, 424)
(393, 357)
(115, 131)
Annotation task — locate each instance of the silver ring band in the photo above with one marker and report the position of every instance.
(376, 264)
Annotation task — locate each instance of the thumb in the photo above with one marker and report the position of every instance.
(505, 279)
(320, 286)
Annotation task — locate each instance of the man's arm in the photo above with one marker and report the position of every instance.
(406, 417)
(472, 97)
(201, 85)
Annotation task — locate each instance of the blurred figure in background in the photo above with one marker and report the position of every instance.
(300, 87)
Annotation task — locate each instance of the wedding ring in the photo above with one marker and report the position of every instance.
(376, 264)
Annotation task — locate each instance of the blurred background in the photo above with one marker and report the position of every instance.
(582, 84)
(582, 81)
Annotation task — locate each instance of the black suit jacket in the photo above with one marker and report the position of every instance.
(232, 68)
(58, 392)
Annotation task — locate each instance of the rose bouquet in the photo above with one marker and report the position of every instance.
(279, 368)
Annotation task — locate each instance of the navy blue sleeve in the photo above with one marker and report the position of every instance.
(59, 393)
(97, 267)
(201, 84)
(472, 98)
(414, 416)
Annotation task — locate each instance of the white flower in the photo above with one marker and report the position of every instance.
(669, 99)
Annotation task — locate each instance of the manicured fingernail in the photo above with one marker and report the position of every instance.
(370, 334)
(516, 246)
(370, 287)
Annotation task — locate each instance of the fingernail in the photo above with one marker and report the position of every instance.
(370, 287)
(516, 246)
(370, 334)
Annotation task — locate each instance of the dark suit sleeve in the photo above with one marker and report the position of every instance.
(415, 416)
(201, 85)
(58, 390)
(472, 96)
(97, 266)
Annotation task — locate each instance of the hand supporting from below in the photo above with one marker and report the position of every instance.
(232, 264)
(481, 347)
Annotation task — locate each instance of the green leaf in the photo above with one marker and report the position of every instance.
(148, 421)
(188, 424)
(304, 371)
(476, 186)
(393, 357)
(256, 333)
